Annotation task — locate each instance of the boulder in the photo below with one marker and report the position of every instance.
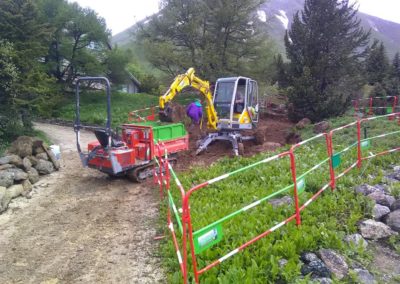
(11, 159)
(282, 262)
(293, 138)
(4, 199)
(334, 262)
(382, 198)
(33, 176)
(37, 146)
(22, 146)
(26, 184)
(393, 220)
(44, 167)
(15, 190)
(33, 160)
(364, 277)
(303, 123)
(367, 189)
(317, 268)
(286, 200)
(356, 239)
(27, 164)
(6, 178)
(307, 257)
(53, 159)
(18, 174)
(321, 127)
(380, 211)
(374, 230)
(42, 156)
(323, 280)
(6, 166)
(395, 205)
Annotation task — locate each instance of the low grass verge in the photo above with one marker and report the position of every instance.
(324, 222)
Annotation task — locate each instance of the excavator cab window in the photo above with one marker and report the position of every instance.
(223, 98)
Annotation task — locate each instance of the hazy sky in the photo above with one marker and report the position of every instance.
(121, 14)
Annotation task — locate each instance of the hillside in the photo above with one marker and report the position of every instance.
(277, 14)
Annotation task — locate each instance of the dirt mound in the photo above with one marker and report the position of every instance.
(274, 128)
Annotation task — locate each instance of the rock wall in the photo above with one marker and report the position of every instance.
(21, 167)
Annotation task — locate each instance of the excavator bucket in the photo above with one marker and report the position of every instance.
(166, 114)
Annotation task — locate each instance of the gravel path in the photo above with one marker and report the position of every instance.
(80, 226)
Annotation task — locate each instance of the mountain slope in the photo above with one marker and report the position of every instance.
(278, 14)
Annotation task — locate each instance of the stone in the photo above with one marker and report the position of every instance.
(26, 163)
(15, 190)
(316, 268)
(394, 176)
(364, 277)
(381, 187)
(26, 184)
(11, 159)
(6, 166)
(293, 138)
(44, 167)
(33, 160)
(286, 200)
(374, 230)
(22, 146)
(321, 127)
(4, 199)
(33, 176)
(37, 146)
(380, 211)
(393, 220)
(307, 257)
(382, 198)
(323, 280)
(282, 262)
(6, 178)
(395, 206)
(42, 156)
(53, 159)
(334, 262)
(356, 239)
(303, 123)
(18, 174)
(367, 189)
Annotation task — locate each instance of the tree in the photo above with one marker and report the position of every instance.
(117, 62)
(217, 38)
(376, 63)
(79, 42)
(324, 45)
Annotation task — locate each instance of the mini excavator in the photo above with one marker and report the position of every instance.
(232, 109)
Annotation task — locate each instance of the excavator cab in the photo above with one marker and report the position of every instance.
(236, 102)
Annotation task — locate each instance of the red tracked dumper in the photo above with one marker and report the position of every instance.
(132, 149)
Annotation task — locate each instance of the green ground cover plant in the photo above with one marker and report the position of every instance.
(324, 222)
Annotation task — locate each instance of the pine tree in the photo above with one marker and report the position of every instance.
(324, 45)
(376, 63)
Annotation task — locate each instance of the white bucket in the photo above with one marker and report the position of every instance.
(56, 151)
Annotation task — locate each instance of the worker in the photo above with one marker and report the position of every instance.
(195, 112)
(239, 102)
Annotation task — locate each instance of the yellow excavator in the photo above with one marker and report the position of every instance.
(232, 109)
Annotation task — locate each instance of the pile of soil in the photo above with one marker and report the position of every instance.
(275, 130)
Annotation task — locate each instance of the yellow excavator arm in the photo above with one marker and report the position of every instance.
(189, 79)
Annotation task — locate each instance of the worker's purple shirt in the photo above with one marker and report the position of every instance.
(194, 112)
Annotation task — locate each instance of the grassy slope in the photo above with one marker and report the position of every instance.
(325, 221)
(94, 111)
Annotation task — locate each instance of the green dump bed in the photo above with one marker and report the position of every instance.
(165, 131)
